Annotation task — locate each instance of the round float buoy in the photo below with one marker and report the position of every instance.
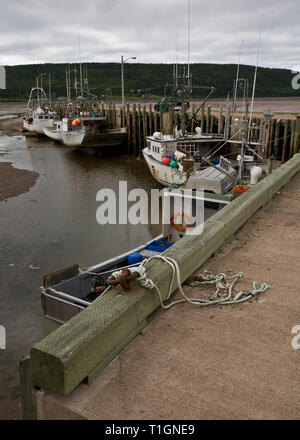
(174, 164)
(74, 123)
(240, 189)
(165, 160)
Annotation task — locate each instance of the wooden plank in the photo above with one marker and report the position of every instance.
(208, 112)
(285, 140)
(203, 120)
(297, 135)
(220, 121)
(60, 275)
(28, 401)
(212, 121)
(128, 125)
(92, 376)
(134, 140)
(276, 137)
(139, 129)
(150, 119)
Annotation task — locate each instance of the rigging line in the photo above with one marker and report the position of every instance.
(214, 152)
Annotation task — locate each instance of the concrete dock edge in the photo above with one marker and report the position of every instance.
(74, 352)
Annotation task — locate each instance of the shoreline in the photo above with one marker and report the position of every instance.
(15, 181)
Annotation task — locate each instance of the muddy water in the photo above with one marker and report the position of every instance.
(52, 226)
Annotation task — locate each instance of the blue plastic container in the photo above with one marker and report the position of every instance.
(159, 245)
(134, 258)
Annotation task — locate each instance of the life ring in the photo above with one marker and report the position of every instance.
(180, 227)
(240, 189)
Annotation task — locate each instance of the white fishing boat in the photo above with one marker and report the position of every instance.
(55, 132)
(73, 138)
(38, 113)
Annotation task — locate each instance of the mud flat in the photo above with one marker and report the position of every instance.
(14, 181)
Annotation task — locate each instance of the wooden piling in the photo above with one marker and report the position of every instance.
(150, 119)
(139, 130)
(285, 140)
(276, 137)
(202, 119)
(145, 125)
(220, 121)
(208, 118)
(134, 129)
(212, 120)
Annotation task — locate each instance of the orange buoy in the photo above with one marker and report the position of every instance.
(240, 189)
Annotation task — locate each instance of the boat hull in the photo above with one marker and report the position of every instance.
(36, 126)
(162, 173)
(73, 138)
(53, 134)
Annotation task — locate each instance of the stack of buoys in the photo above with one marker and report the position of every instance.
(75, 122)
(167, 161)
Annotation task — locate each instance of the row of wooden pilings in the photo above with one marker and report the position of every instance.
(281, 135)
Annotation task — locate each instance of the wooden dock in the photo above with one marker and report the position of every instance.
(281, 135)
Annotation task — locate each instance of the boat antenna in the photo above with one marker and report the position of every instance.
(81, 92)
(255, 75)
(189, 32)
(236, 83)
(50, 101)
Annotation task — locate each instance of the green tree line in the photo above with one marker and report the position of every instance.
(144, 80)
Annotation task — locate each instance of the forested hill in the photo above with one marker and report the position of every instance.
(144, 80)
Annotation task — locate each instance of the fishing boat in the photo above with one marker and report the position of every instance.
(55, 132)
(68, 291)
(193, 160)
(93, 131)
(38, 113)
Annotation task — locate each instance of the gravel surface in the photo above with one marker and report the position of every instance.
(14, 181)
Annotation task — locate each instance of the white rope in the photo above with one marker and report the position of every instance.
(149, 284)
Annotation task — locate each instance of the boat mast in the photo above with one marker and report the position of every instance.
(236, 84)
(81, 91)
(50, 90)
(189, 32)
(255, 74)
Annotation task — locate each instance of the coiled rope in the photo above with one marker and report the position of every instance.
(201, 302)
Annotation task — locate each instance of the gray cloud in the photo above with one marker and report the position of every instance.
(32, 31)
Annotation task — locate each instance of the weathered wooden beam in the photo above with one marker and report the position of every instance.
(134, 129)
(285, 140)
(139, 130)
(27, 389)
(150, 120)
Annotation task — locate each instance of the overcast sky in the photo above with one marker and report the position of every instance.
(35, 31)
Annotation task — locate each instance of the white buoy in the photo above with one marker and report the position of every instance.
(256, 173)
